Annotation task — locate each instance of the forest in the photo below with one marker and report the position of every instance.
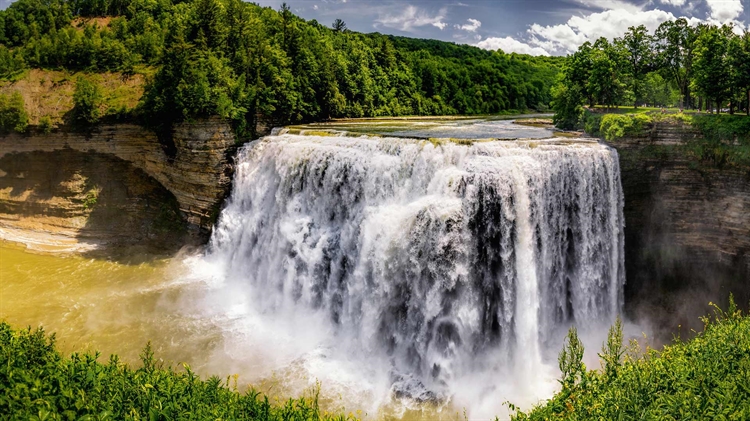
(252, 64)
(703, 67)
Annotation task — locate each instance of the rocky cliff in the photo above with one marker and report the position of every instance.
(114, 185)
(687, 227)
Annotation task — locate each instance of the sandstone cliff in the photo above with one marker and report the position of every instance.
(114, 185)
(687, 234)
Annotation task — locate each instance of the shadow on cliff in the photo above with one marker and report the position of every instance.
(682, 244)
(104, 200)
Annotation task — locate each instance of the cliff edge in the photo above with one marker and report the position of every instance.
(115, 185)
(687, 234)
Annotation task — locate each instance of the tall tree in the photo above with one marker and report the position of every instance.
(339, 25)
(739, 59)
(674, 45)
(578, 70)
(712, 72)
(606, 78)
(636, 45)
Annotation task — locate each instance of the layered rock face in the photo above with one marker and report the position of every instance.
(687, 235)
(115, 185)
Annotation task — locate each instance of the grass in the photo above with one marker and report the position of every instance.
(706, 378)
(38, 383)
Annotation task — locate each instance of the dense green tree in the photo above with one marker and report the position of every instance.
(712, 75)
(665, 69)
(13, 116)
(657, 92)
(674, 43)
(636, 47)
(739, 60)
(606, 82)
(87, 100)
(578, 71)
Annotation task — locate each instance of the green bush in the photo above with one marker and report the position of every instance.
(37, 383)
(13, 116)
(707, 378)
(616, 126)
(723, 127)
(87, 100)
(45, 124)
(592, 122)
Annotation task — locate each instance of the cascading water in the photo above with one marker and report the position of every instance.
(445, 262)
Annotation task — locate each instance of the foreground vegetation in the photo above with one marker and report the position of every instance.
(706, 378)
(37, 383)
(252, 64)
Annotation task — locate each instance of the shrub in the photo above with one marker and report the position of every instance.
(707, 378)
(45, 124)
(36, 382)
(615, 126)
(13, 116)
(723, 127)
(592, 122)
(87, 100)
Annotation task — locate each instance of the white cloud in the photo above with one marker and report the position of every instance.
(610, 24)
(725, 10)
(412, 17)
(511, 45)
(315, 7)
(472, 26)
(677, 3)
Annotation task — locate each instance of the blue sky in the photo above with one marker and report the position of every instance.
(549, 27)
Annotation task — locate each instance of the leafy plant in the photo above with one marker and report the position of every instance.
(13, 116)
(706, 378)
(45, 124)
(88, 101)
(37, 383)
(615, 126)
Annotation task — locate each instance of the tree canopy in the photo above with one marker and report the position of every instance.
(703, 67)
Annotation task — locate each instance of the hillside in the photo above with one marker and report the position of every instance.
(252, 65)
(50, 92)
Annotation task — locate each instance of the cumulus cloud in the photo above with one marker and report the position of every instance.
(472, 26)
(412, 17)
(725, 10)
(511, 45)
(564, 38)
(677, 3)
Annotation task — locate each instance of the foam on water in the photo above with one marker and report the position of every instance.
(395, 269)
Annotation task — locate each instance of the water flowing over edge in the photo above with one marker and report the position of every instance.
(433, 271)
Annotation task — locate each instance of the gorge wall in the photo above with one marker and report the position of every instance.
(114, 185)
(687, 234)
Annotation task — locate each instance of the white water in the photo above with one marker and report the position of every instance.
(396, 269)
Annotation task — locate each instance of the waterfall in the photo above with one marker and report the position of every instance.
(442, 259)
